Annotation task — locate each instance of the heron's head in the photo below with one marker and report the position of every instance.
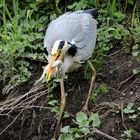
(58, 52)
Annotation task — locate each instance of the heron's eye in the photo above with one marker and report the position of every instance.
(72, 51)
(45, 51)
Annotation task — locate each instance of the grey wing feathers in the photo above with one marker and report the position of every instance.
(86, 38)
(78, 27)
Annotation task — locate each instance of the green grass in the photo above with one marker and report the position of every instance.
(21, 40)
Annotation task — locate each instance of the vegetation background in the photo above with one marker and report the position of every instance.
(28, 112)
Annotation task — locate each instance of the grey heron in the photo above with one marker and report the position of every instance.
(69, 42)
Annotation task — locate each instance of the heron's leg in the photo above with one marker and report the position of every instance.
(62, 107)
(85, 108)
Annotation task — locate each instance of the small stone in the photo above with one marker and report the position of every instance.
(121, 98)
(111, 71)
(131, 93)
(123, 94)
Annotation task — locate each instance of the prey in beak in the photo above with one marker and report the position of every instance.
(57, 56)
(55, 60)
(52, 68)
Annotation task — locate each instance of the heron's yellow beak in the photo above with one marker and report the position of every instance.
(51, 70)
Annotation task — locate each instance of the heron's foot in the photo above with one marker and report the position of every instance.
(57, 130)
(85, 109)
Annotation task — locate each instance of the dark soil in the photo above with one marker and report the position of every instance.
(116, 73)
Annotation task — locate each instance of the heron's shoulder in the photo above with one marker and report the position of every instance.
(73, 16)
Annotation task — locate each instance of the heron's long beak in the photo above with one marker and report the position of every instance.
(55, 60)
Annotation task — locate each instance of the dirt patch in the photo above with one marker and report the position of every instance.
(37, 122)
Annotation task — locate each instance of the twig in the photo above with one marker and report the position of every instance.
(122, 116)
(104, 104)
(124, 81)
(25, 107)
(14, 101)
(33, 89)
(10, 123)
(104, 134)
(95, 130)
(106, 113)
(116, 52)
(34, 99)
(36, 96)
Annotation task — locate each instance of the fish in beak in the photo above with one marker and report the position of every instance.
(54, 62)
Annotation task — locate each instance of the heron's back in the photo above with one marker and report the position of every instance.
(77, 27)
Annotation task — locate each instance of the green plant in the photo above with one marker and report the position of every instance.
(131, 111)
(85, 126)
(18, 43)
(136, 46)
(55, 106)
(21, 37)
(102, 89)
(128, 135)
(82, 4)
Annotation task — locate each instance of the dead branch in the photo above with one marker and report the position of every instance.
(10, 123)
(122, 116)
(104, 134)
(118, 87)
(23, 101)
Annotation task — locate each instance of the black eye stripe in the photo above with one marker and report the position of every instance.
(61, 44)
(45, 51)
